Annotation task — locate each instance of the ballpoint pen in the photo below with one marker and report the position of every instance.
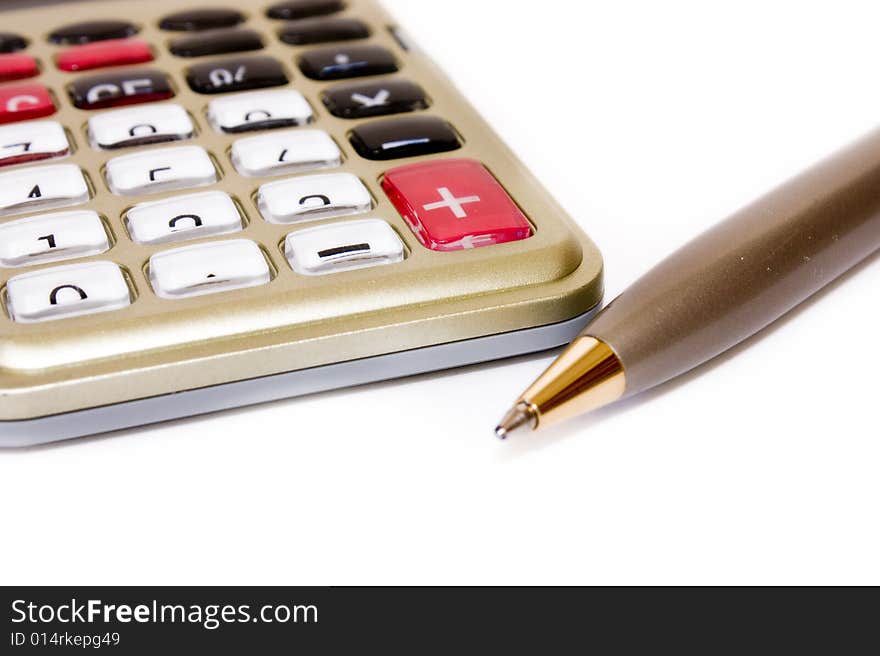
(718, 290)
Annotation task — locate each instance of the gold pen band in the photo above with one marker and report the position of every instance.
(587, 376)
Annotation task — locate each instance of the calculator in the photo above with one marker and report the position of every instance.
(208, 206)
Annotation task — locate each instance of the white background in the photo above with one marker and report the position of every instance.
(649, 121)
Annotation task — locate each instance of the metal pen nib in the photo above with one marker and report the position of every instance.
(522, 415)
(587, 376)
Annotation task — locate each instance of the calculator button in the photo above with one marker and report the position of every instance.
(118, 89)
(404, 137)
(208, 269)
(217, 42)
(67, 291)
(259, 110)
(241, 74)
(294, 9)
(323, 30)
(42, 187)
(343, 247)
(196, 20)
(365, 99)
(104, 54)
(32, 142)
(166, 169)
(345, 62)
(103, 30)
(313, 197)
(11, 42)
(139, 126)
(285, 152)
(52, 237)
(194, 216)
(455, 204)
(17, 67)
(24, 102)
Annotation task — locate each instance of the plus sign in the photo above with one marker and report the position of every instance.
(453, 203)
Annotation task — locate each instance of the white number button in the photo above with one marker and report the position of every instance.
(32, 142)
(343, 247)
(42, 187)
(284, 152)
(313, 197)
(67, 291)
(207, 214)
(208, 269)
(259, 110)
(155, 171)
(51, 238)
(140, 126)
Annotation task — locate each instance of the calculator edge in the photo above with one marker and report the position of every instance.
(218, 398)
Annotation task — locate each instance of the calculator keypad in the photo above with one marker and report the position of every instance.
(404, 137)
(366, 99)
(216, 42)
(17, 66)
(196, 20)
(51, 238)
(343, 247)
(237, 74)
(10, 42)
(285, 152)
(21, 143)
(23, 102)
(449, 204)
(342, 62)
(208, 269)
(259, 110)
(42, 187)
(117, 89)
(455, 204)
(295, 9)
(65, 292)
(194, 216)
(92, 31)
(139, 126)
(311, 31)
(156, 171)
(105, 54)
(313, 197)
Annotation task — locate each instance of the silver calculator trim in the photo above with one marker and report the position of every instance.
(95, 421)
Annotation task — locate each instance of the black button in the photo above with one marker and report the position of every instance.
(196, 20)
(323, 30)
(340, 63)
(118, 89)
(374, 98)
(294, 9)
(404, 137)
(11, 42)
(216, 42)
(239, 74)
(80, 33)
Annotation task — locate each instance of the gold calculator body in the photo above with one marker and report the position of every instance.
(209, 208)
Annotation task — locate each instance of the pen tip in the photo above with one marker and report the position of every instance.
(521, 416)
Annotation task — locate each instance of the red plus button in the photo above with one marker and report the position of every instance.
(116, 52)
(453, 204)
(24, 102)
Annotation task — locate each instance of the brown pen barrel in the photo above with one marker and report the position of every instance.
(748, 271)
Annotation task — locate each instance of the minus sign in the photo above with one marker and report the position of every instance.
(344, 250)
